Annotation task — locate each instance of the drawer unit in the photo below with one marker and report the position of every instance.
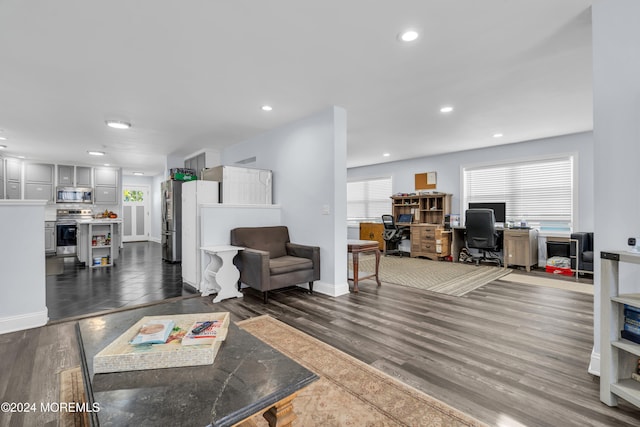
(521, 248)
(429, 240)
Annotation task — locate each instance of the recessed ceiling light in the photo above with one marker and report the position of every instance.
(21, 157)
(96, 153)
(497, 135)
(408, 36)
(386, 154)
(267, 108)
(138, 173)
(107, 164)
(2, 147)
(117, 124)
(446, 109)
(3, 138)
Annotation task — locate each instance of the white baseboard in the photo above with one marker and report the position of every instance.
(330, 289)
(23, 321)
(594, 363)
(155, 239)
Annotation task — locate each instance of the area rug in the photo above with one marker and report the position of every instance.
(349, 392)
(451, 278)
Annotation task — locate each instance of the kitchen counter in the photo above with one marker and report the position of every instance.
(100, 221)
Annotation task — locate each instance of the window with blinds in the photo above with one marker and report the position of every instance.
(540, 192)
(368, 200)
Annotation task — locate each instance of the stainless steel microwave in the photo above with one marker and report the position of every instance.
(74, 195)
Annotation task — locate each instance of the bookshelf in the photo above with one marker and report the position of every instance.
(100, 245)
(618, 356)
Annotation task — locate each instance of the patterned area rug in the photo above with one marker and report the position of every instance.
(349, 392)
(451, 278)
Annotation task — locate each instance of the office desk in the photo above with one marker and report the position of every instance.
(520, 246)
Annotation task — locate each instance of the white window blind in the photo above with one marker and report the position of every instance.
(540, 191)
(368, 200)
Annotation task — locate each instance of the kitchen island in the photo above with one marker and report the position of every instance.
(99, 241)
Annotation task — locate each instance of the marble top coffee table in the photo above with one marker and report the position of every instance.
(246, 378)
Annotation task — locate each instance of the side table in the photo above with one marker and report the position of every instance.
(355, 247)
(220, 275)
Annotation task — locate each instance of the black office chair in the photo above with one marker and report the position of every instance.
(392, 235)
(481, 234)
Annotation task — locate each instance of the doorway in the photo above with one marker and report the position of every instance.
(135, 213)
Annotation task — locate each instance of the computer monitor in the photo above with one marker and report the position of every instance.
(405, 218)
(499, 209)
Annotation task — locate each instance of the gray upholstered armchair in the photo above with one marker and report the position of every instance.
(270, 261)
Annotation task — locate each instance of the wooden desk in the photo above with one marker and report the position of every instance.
(355, 247)
(247, 377)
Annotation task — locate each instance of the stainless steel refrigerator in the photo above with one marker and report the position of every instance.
(172, 221)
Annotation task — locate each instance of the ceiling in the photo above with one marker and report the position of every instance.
(194, 75)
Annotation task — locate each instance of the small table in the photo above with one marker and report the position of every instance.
(355, 247)
(221, 275)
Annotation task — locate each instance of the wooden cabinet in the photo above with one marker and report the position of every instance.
(430, 240)
(425, 208)
(428, 237)
(372, 231)
(520, 248)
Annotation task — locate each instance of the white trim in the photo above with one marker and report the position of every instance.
(333, 290)
(11, 202)
(23, 321)
(146, 189)
(594, 363)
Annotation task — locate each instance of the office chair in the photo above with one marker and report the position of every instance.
(392, 235)
(481, 234)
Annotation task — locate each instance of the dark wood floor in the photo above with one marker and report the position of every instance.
(507, 354)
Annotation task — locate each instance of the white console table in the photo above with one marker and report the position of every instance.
(220, 275)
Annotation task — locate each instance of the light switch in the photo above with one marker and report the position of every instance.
(326, 209)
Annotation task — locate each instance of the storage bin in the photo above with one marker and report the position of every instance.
(565, 271)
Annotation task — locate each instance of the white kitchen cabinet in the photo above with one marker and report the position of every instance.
(50, 237)
(106, 186)
(83, 176)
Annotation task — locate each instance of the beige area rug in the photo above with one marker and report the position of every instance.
(349, 392)
(451, 278)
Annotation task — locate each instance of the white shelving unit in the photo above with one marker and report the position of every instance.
(101, 244)
(618, 357)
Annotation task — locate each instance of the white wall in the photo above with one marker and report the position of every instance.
(308, 160)
(616, 93)
(22, 265)
(449, 169)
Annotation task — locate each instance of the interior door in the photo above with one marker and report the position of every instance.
(135, 213)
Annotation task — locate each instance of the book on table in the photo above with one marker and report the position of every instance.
(154, 332)
(203, 332)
